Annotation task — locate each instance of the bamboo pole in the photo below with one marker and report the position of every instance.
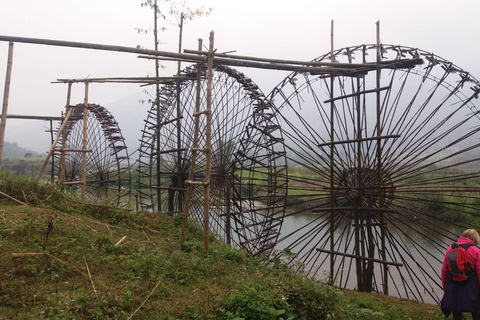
(12, 198)
(379, 164)
(191, 174)
(191, 57)
(159, 117)
(353, 69)
(147, 80)
(357, 69)
(222, 57)
(63, 165)
(332, 154)
(6, 94)
(52, 170)
(208, 129)
(179, 122)
(96, 46)
(361, 257)
(84, 142)
(28, 117)
(359, 264)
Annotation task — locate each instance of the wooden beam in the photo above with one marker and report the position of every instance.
(96, 46)
(261, 63)
(396, 264)
(44, 118)
(6, 93)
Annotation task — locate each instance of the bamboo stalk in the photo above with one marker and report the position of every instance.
(96, 46)
(179, 122)
(25, 197)
(352, 70)
(159, 116)
(122, 79)
(6, 93)
(120, 241)
(28, 117)
(73, 150)
(191, 174)
(146, 299)
(192, 57)
(84, 142)
(384, 262)
(12, 198)
(379, 163)
(63, 165)
(90, 276)
(208, 146)
(27, 254)
(332, 164)
(283, 61)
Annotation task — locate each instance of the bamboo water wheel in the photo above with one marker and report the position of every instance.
(247, 187)
(108, 177)
(383, 169)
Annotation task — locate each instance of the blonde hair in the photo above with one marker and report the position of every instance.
(472, 234)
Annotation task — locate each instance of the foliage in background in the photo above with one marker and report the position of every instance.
(15, 151)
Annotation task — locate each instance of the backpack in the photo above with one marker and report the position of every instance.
(457, 264)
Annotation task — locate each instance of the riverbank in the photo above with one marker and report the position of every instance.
(63, 260)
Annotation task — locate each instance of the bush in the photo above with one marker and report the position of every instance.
(256, 301)
(291, 298)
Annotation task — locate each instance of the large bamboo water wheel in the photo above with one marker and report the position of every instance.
(247, 189)
(108, 179)
(383, 168)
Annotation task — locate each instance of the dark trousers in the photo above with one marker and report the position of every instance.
(458, 316)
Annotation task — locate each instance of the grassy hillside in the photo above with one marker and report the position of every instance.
(60, 259)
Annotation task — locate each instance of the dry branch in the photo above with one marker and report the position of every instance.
(120, 241)
(25, 197)
(27, 254)
(90, 276)
(12, 198)
(146, 299)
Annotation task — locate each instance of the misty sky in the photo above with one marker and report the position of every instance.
(277, 29)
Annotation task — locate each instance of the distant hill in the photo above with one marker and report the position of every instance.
(15, 151)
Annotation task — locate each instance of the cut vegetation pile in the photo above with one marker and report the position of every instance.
(60, 259)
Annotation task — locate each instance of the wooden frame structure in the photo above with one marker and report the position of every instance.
(330, 69)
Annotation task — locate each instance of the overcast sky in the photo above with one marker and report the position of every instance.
(276, 29)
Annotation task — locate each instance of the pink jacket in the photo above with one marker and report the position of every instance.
(473, 257)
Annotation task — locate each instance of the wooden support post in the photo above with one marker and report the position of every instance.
(63, 169)
(6, 93)
(159, 116)
(195, 148)
(52, 170)
(332, 163)
(208, 163)
(359, 263)
(228, 213)
(84, 142)
(379, 164)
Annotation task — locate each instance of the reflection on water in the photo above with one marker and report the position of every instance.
(420, 249)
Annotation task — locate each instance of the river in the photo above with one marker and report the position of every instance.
(419, 248)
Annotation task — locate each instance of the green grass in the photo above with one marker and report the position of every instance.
(148, 276)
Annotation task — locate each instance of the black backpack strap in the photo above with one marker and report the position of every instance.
(465, 245)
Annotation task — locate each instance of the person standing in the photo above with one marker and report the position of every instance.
(463, 296)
